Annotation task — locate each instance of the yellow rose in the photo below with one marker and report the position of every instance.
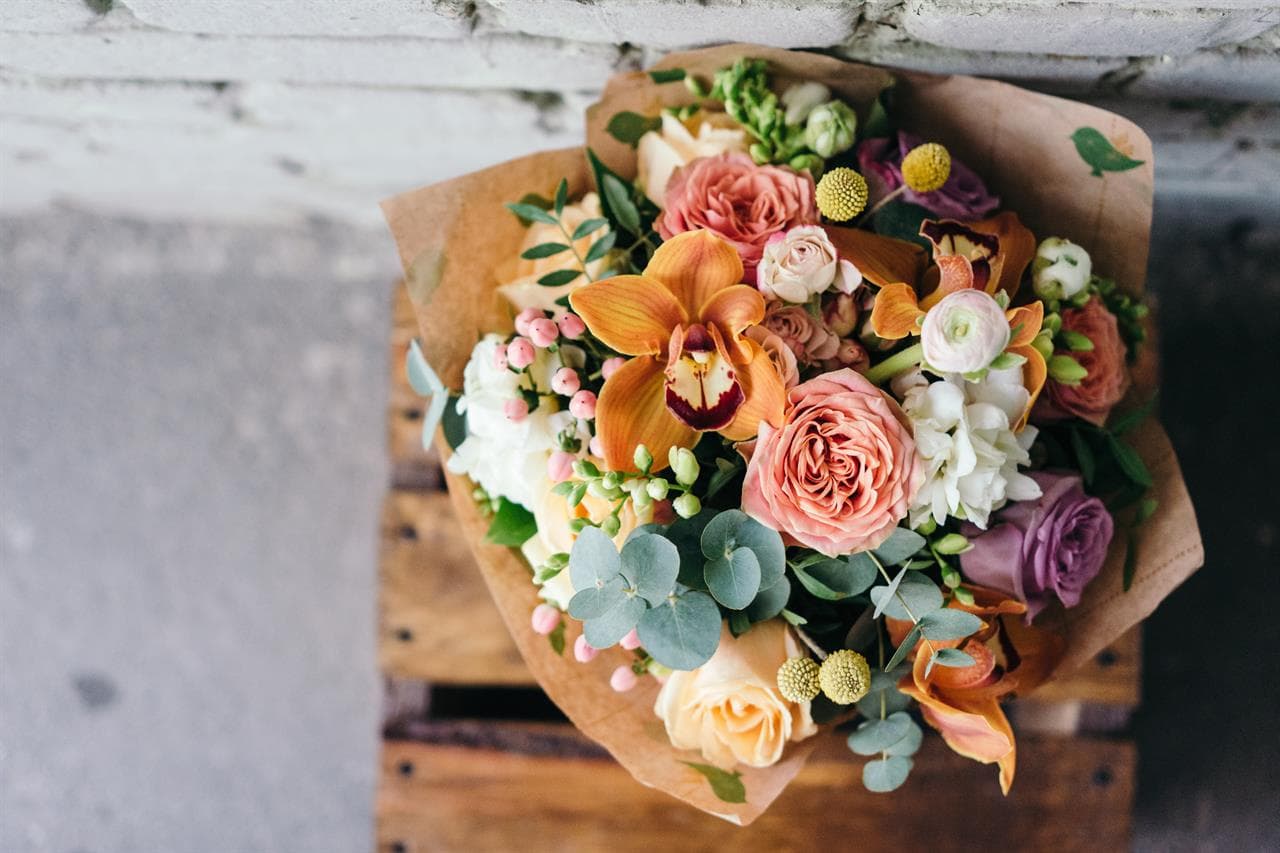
(522, 289)
(660, 153)
(730, 707)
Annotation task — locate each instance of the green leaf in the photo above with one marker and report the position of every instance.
(1131, 419)
(589, 226)
(949, 624)
(594, 560)
(559, 277)
(726, 786)
(886, 774)
(1066, 370)
(1075, 341)
(908, 643)
(667, 75)
(454, 423)
(619, 198)
(512, 525)
(686, 534)
(611, 626)
(543, 250)
(915, 592)
(1084, 456)
(651, 562)
(878, 735)
(877, 123)
(894, 700)
(601, 247)
(556, 638)
(910, 743)
(1097, 151)
(627, 127)
(948, 657)
(562, 196)
(593, 602)
(766, 544)
(734, 580)
(794, 618)
(531, 213)
(1130, 559)
(887, 594)
(835, 580)
(739, 623)
(770, 602)
(1146, 509)
(901, 220)
(1006, 360)
(682, 633)
(899, 547)
(1129, 461)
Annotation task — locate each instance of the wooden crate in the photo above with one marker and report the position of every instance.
(464, 768)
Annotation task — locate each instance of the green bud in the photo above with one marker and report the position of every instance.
(952, 543)
(585, 469)
(1043, 344)
(963, 595)
(598, 489)
(687, 506)
(612, 479)
(1065, 369)
(641, 499)
(811, 163)
(578, 524)
(642, 458)
(1076, 342)
(684, 465)
(657, 488)
(611, 526)
(759, 152)
(927, 527)
(830, 129)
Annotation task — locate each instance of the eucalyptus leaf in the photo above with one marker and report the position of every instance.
(886, 774)
(901, 545)
(894, 700)
(766, 543)
(719, 537)
(916, 596)
(908, 643)
(910, 743)
(593, 602)
(686, 535)
(739, 623)
(948, 623)
(734, 580)
(948, 657)
(836, 579)
(594, 560)
(878, 735)
(682, 633)
(887, 593)
(611, 626)
(652, 563)
(768, 603)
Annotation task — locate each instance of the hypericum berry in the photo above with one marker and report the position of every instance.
(500, 356)
(560, 466)
(611, 366)
(525, 317)
(543, 332)
(545, 619)
(565, 381)
(798, 679)
(631, 641)
(516, 410)
(841, 194)
(583, 405)
(596, 447)
(926, 167)
(845, 677)
(520, 353)
(572, 327)
(584, 652)
(623, 679)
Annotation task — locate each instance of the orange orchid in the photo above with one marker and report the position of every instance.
(692, 369)
(963, 703)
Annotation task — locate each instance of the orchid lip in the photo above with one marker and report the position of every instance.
(702, 387)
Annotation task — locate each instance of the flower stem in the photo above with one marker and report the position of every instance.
(881, 203)
(914, 620)
(895, 364)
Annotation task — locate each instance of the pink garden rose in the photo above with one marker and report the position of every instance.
(805, 335)
(842, 470)
(1108, 380)
(1042, 549)
(732, 197)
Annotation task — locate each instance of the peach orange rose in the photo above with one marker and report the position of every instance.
(1108, 380)
(739, 201)
(842, 470)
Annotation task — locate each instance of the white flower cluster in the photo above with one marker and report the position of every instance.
(966, 443)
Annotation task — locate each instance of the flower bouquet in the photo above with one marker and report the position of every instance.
(806, 396)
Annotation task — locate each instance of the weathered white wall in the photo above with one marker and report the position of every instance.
(275, 110)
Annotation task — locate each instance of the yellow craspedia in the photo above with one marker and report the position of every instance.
(841, 194)
(845, 677)
(798, 679)
(926, 167)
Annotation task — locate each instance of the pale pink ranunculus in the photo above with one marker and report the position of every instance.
(744, 203)
(841, 471)
(807, 336)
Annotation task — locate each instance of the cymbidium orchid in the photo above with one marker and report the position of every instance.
(692, 368)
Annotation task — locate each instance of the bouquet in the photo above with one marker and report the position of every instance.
(805, 397)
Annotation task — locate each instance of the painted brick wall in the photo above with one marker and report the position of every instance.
(275, 110)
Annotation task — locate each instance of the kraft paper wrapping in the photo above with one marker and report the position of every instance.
(453, 235)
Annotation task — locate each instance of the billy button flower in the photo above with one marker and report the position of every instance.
(845, 677)
(841, 194)
(798, 680)
(925, 169)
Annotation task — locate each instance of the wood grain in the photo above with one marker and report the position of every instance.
(543, 787)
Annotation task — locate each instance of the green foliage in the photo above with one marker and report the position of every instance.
(454, 423)
(543, 250)
(877, 735)
(683, 632)
(530, 213)
(948, 657)
(947, 623)
(668, 75)
(512, 525)
(594, 560)
(725, 785)
(1129, 312)
(1098, 152)
(742, 558)
(908, 643)
(627, 127)
(734, 578)
(901, 546)
(558, 278)
(611, 626)
(915, 597)
(836, 579)
(556, 638)
(770, 602)
(886, 774)
(651, 562)
(901, 220)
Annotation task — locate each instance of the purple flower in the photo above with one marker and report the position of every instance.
(963, 196)
(1042, 549)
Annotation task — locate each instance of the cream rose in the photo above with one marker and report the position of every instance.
(521, 276)
(730, 708)
(801, 263)
(660, 153)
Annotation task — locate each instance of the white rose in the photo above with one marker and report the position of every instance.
(730, 708)
(802, 263)
(659, 153)
(1061, 269)
(521, 275)
(964, 332)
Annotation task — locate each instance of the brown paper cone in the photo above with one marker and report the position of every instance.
(452, 235)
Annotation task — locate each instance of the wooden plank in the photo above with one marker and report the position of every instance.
(501, 786)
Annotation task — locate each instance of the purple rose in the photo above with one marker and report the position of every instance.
(1050, 547)
(963, 196)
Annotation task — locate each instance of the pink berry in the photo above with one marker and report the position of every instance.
(500, 356)
(596, 447)
(611, 366)
(525, 317)
(583, 651)
(560, 466)
(543, 332)
(520, 353)
(515, 410)
(565, 381)
(572, 327)
(631, 641)
(545, 619)
(583, 405)
(623, 679)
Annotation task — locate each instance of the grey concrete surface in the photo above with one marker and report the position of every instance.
(191, 459)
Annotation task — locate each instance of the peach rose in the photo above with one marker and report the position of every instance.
(784, 360)
(807, 337)
(1108, 378)
(730, 708)
(661, 152)
(732, 197)
(840, 473)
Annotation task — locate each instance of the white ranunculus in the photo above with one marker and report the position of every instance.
(968, 448)
(661, 152)
(1061, 269)
(802, 263)
(730, 708)
(800, 99)
(964, 332)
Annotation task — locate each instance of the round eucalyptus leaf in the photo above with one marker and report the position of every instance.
(886, 774)
(768, 603)
(686, 534)
(766, 544)
(594, 602)
(612, 625)
(918, 593)
(593, 560)
(734, 580)
(719, 537)
(642, 529)
(652, 563)
(894, 700)
(910, 743)
(878, 735)
(683, 633)
(900, 546)
(948, 623)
